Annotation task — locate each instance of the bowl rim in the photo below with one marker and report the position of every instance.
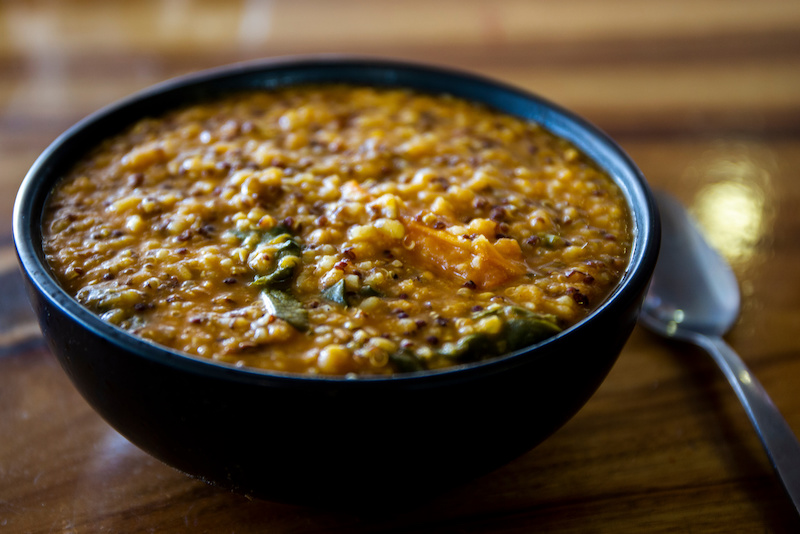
(326, 68)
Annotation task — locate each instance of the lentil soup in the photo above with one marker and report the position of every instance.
(338, 229)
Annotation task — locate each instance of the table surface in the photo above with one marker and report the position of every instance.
(703, 94)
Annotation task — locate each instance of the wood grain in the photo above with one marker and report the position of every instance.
(701, 93)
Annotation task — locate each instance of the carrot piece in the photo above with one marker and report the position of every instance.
(476, 260)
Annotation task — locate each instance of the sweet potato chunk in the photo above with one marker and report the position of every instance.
(471, 259)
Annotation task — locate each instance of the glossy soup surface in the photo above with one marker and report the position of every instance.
(338, 229)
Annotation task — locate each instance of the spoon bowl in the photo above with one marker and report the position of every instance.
(674, 305)
(694, 297)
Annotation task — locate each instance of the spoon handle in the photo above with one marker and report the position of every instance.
(776, 436)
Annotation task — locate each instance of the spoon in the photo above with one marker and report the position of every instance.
(694, 297)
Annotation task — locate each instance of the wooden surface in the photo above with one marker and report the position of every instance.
(703, 94)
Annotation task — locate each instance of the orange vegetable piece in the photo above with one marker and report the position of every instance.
(486, 264)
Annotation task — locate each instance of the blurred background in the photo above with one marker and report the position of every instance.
(703, 94)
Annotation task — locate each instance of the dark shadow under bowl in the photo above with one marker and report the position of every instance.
(318, 440)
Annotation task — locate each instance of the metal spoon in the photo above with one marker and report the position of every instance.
(694, 297)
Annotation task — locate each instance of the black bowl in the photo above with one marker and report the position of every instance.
(330, 440)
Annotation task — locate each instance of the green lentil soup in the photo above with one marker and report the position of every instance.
(338, 229)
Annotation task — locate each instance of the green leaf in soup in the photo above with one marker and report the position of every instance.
(369, 291)
(470, 348)
(263, 236)
(520, 332)
(520, 328)
(282, 272)
(283, 305)
(337, 294)
(286, 256)
(552, 241)
(405, 361)
(523, 327)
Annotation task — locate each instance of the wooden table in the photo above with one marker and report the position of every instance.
(704, 95)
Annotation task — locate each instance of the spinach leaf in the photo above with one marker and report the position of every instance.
(405, 361)
(519, 332)
(337, 294)
(470, 348)
(283, 248)
(520, 328)
(552, 241)
(283, 305)
(287, 257)
(263, 236)
(369, 291)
